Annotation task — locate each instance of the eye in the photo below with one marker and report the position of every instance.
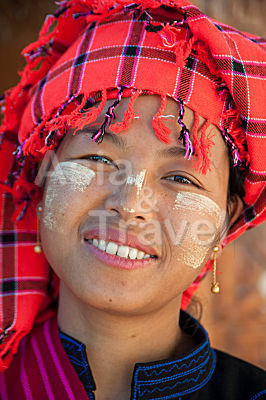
(180, 179)
(101, 159)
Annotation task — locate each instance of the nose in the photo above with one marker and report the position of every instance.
(133, 200)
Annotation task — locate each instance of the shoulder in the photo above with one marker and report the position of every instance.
(240, 379)
(228, 378)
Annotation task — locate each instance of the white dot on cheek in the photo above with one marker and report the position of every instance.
(197, 211)
(67, 179)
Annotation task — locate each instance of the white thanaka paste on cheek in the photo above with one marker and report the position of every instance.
(197, 210)
(198, 203)
(66, 179)
(137, 180)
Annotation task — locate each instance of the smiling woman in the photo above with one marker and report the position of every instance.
(168, 226)
(132, 152)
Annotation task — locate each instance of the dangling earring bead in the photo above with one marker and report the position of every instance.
(38, 247)
(215, 285)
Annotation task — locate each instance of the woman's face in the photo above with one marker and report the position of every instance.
(136, 186)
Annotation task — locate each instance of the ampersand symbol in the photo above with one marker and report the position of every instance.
(147, 194)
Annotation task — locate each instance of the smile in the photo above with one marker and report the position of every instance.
(119, 250)
(119, 256)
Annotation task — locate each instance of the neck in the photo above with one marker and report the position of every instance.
(115, 342)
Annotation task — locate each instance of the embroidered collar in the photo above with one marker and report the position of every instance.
(164, 379)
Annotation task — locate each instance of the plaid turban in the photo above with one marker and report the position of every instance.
(90, 51)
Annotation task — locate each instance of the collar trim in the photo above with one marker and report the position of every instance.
(160, 380)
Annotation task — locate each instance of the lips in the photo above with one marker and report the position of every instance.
(120, 237)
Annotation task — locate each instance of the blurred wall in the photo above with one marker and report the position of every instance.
(236, 318)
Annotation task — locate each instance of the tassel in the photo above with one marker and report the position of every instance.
(20, 211)
(184, 134)
(81, 14)
(206, 57)
(90, 116)
(37, 49)
(59, 121)
(109, 116)
(48, 23)
(34, 142)
(161, 130)
(233, 148)
(168, 35)
(50, 138)
(170, 39)
(188, 47)
(128, 116)
(62, 9)
(206, 143)
(197, 159)
(234, 136)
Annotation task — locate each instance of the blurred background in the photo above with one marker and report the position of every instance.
(236, 318)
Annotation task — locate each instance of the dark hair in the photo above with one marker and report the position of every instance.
(236, 181)
(235, 187)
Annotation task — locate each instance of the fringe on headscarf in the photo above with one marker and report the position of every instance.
(168, 33)
(206, 143)
(160, 129)
(197, 157)
(233, 131)
(128, 116)
(89, 116)
(184, 134)
(109, 117)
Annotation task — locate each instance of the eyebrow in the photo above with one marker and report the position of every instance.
(170, 152)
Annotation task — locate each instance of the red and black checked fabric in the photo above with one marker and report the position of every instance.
(102, 50)
(119, 51)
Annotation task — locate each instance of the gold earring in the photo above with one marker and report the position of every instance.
(38, 246)
(215, 285)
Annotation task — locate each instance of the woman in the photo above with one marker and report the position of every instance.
(129, 227)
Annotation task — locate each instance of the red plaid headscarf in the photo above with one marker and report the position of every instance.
(90, 51)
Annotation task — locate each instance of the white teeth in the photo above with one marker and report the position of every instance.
(121, 251)
(140, 255)
(95, 242)
(133, 254)
(101, 245)
(111, 248)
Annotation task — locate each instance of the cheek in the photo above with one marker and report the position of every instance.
(66, 183)
(193, 225)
